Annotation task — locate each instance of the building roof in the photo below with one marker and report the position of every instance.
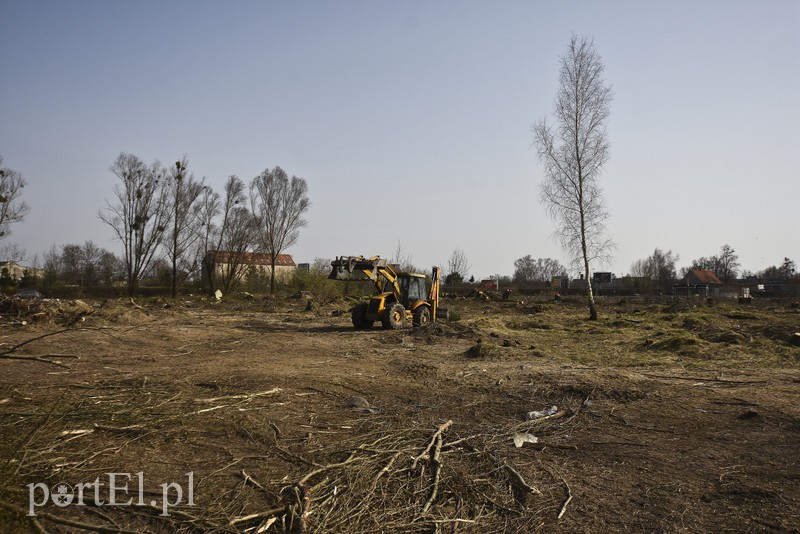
(705, 276)
(253, 258)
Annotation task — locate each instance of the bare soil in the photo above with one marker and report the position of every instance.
(671, 416)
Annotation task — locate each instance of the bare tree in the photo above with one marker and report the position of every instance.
(184, 233)
(12, 208)
(207, 210)
(788, 268)
(278, 204)
(658, 268)
(525, 269)
(728, 264)
(573, 154)
(403, 261)
(458, 267)
(528, 270)
(240, 234)
(725, 265)
(109, 267)
(549, 268)
(785, 271)
(51, 268)
(139, 214)
(321, 266)
(90, 263)
(227, 244)
(13, 252)
(81, 264)
(71, 264)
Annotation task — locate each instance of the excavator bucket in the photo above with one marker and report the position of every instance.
(357, 264)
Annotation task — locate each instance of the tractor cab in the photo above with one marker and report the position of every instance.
(412, 288)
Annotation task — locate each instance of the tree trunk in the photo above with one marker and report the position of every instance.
(209, 267)
(273, 259)
(589, 292)
(174, 277)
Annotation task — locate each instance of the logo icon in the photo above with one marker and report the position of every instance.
(62, 494)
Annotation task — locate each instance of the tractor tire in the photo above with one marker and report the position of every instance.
(359, 317)
(422, 316)
(394, 316)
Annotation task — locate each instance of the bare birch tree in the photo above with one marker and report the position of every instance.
(12, 208)
(573, 154)
(278, 204)
(139, 214)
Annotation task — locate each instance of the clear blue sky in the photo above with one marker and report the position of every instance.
(411, 120)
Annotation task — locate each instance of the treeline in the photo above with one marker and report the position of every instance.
(171, 227)
(164, 214)
(656, 272)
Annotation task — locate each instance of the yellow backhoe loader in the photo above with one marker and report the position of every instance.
(400, 297)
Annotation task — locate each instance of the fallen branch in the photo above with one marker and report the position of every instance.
(44, 358)
(388, 466)
(29, 438)
(542, 446)
(520, 480)
(426, 451)
(267, 514)
(437, 469)
(248, 479)
(204, 410)
(558, 415)
(245, 396)
(564, 506)
(328, 467)
(569, 493)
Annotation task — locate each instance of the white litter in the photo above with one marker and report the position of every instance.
(536, 414)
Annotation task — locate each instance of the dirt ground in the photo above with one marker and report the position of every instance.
(670, 416)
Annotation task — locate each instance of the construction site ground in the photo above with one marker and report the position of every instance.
(670, 416)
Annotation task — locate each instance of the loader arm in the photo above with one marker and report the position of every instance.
(433, 297)
(375, 268)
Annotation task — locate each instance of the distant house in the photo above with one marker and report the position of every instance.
(701, 282)
(701, 276)
(261, 262)
(15, 271)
